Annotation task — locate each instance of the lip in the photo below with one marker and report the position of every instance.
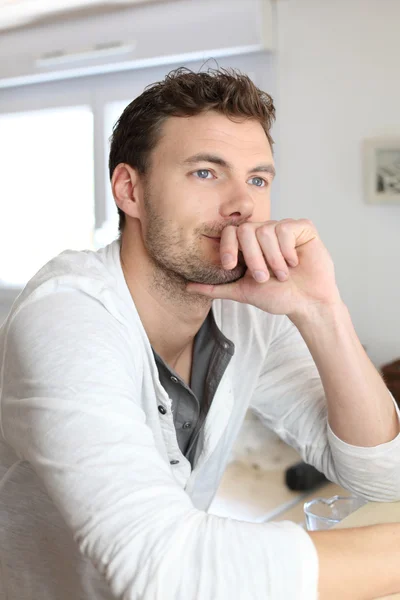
(216, 239)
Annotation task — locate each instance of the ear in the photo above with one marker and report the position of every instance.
(127, 190)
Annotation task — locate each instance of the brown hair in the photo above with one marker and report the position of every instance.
(183, 93)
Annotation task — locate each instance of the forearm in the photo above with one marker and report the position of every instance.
(358, 564)
(360, 410)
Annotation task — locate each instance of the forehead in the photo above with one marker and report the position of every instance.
(184, 136)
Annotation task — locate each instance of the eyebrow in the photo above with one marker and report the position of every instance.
(217, 160)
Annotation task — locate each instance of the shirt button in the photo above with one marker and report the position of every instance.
(162, 409)
(174, 462)
(174, 379)
(186, 425)
(226, 345)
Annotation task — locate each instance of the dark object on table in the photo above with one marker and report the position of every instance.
(303, 477)
(391, 376)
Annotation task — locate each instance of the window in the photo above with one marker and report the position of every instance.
(47, 195)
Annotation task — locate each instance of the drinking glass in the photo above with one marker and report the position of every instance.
(324, 513)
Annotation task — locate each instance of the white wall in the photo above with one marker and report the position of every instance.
(339, 82)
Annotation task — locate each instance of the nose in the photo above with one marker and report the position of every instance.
(237, 203)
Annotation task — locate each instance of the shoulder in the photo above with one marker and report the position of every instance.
(73, 305)
(90, 276)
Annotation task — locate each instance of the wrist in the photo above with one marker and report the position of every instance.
(318, 313)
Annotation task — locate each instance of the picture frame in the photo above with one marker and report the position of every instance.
(381, 166)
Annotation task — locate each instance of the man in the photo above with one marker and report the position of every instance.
(127, 373)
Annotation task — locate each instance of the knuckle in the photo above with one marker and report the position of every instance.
(283, 227)
(275, 262)
(264, 230)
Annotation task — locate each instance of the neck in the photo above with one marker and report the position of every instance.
(170, 316)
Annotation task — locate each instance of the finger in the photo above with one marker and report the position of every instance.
(286, 236)
(252, 252)
(269, 244)
(229, 247)
(226, 291)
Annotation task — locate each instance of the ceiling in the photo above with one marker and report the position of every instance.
(21, 13)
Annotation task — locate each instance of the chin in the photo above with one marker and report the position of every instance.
(218, 276)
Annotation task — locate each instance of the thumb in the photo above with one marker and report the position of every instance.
(223, 291)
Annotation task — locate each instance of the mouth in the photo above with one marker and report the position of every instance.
(216, 239)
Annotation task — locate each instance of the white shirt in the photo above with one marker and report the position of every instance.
(91, 507)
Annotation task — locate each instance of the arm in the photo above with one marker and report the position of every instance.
(71, 407)
(360, 409)
(358, 564)
(290, 400)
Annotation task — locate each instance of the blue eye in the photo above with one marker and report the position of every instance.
(260, 181)
(202, 173)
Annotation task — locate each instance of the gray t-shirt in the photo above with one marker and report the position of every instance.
(212, 352)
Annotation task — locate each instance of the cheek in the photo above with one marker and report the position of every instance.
(187, 203)
(199, 204)
(207, 202)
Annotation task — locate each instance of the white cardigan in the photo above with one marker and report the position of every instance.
(90, 506)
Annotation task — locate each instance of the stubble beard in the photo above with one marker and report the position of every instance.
(176, 264)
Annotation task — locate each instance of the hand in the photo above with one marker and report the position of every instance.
(298, 269)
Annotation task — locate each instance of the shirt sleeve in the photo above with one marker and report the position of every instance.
(290, 400)
(71, 407)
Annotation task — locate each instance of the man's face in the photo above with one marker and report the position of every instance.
(206, 172)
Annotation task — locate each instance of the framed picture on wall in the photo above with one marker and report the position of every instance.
(381, 165)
